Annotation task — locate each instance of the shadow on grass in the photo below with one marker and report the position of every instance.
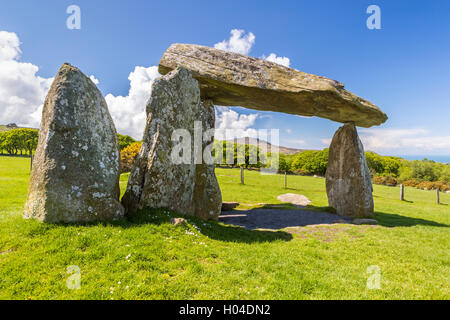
(211, 229)
(276, 217)
(395, 220)
(383, 218)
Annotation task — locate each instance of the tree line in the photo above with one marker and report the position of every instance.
(384, 169)
(22, 141)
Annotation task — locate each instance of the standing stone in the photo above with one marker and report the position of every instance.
(207, 195)
(348, 180)
(75, 175)
(156, 181)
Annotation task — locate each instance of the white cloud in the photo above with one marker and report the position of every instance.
(22, 92)
(239, 42)
(239, 125)
(94, 80)
(404, 141)
(415, 141)
(284, 61)
(128, 112)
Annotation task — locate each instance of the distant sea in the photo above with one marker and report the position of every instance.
(442, 159)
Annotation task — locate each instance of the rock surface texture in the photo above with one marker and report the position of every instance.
(232, 79)
(348, 180)
(75, 175)
(156, 181)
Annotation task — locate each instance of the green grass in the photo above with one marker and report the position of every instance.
(148, 258)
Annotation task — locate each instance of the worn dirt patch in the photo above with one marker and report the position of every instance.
(295, 199)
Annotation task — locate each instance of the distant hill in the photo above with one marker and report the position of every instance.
(4, 128)
(256, 142)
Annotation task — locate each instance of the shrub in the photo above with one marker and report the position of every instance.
(312, 162)
(411, 183)
(128, 156)
(385, 180)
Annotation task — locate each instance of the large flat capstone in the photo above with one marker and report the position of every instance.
(232, 79)
(75, 175)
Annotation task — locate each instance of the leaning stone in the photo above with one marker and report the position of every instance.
(348, 180)
(156, 181)
(232, 79)
(75, 175)
(365, 221)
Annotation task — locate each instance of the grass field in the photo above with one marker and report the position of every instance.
(148, 258)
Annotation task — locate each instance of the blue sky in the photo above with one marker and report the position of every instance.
(403, 68)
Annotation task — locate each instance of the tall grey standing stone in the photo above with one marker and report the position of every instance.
(156, 181)
(348, 180)
(207, 195)
(75, 175)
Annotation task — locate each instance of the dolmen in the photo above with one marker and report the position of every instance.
(75, 172)
(233, 79)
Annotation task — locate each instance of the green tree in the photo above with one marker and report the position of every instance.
(311, 161)
(125, 141)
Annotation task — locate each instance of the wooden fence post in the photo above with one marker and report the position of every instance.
(285, 180)
(402, 192)
(437, 196)
(242, 175)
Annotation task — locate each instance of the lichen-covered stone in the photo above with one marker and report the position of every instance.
(348, 180)
(207, 195)
(155, 180)
(75, 175)
(233, 79)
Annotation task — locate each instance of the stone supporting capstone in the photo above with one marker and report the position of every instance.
(348, 180)
(156, 180)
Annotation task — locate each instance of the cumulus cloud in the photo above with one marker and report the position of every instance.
(239, 42)
(22, 92)
(94, 80)
(238, 125)
(413, 141)
(284, 61)
(128, 112)
(407, 141)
